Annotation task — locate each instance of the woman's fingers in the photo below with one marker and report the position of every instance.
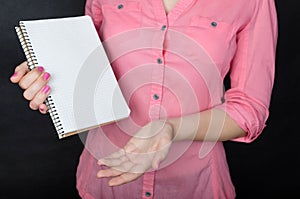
(19, 72)
(39, 98)
(43, 108)
(110, 162)
(31, 77)
(115, 155)
(108, 173)
(36, 86)
(124, 178)
(34, 82)
(118, 177)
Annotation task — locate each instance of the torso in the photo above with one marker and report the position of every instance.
(195, 55)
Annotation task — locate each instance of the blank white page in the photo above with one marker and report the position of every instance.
(84, 89)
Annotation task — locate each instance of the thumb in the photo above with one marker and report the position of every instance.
(156, 161)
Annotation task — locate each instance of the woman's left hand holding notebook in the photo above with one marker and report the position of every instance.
(34, 82)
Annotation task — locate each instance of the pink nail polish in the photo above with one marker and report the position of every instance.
(46, 76)
(41, 109)
(15, 74)
(46, 89)
(41, 68)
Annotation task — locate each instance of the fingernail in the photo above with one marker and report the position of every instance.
(41, 109)
(41, 68)
(46, 76)
(100, 162)
(46, 89)
(15, 74)
(111, 184)
(99, 175)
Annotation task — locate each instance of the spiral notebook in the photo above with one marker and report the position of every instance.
(84, 91)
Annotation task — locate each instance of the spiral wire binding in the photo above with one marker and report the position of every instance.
(32, 63)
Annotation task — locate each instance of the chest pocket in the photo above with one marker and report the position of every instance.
(120, 17)
(214, 36)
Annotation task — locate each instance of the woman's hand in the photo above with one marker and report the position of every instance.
(145, 150)
(34, 83)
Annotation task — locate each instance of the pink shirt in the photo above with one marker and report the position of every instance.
(174, 65)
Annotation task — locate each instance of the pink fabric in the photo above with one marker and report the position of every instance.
(173, 65)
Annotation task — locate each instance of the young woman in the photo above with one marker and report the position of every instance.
(170, 58)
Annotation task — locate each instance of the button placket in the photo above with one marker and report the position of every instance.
(159, 61)
(120, 6)
(157, 87)
(214, 24)
(157, 75)
(155, 96)
(148, 194)
(148, 185)
(163, 27)
(156, 93)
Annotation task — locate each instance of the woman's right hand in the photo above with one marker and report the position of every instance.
(34, 82)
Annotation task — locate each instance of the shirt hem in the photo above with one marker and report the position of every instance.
(85, 195)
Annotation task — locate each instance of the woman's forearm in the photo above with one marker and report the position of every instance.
(209, 125)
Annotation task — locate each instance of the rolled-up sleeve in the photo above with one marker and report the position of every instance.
(252, 72)
(93, 9)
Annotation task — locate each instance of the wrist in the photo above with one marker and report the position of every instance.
(173, 125)
(171, 128)
(185, 128)
(165, 127)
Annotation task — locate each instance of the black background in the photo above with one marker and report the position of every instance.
(35, 164)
